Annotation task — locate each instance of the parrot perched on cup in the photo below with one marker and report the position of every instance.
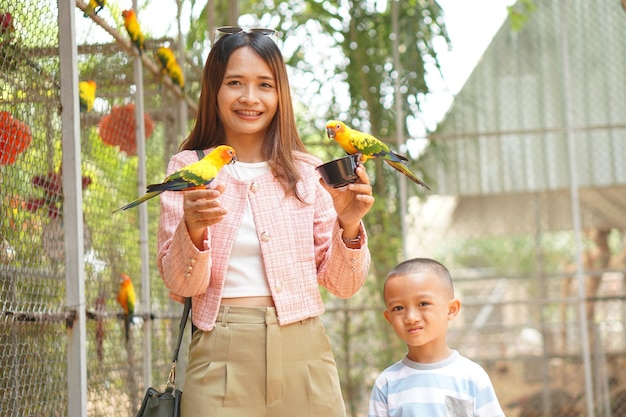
(134, 30)
(196, 175)
(352, 141)
(126, 298)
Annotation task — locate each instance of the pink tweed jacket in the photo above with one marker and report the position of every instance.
(300, 243)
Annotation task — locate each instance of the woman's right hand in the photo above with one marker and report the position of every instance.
(201, 210)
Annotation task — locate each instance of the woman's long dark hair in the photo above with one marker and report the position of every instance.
(281, 138)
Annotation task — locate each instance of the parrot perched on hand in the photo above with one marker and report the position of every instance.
(133, 29)
(352, 141)
(94, 7)
(170, 66)
(126, 298)
(86, 95)
(196, 175)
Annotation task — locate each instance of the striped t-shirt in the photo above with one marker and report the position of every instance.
(454, 387)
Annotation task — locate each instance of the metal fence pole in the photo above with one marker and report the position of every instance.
(576, 221)
(140, 138)
(183, 111)
(72, 212)
(400, 120)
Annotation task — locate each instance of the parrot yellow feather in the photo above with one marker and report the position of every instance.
(134, 30)
(94, 6)
(86, 95)
(352, 141)
(196, 175)
(126, 298)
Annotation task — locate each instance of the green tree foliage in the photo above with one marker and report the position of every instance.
(520, 12)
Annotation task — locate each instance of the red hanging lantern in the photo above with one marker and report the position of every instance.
(118, 128)
(15, 137)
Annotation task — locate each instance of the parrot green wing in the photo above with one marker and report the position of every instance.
(369, 145)
(194, 175)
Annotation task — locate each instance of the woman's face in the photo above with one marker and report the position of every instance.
(248, 99)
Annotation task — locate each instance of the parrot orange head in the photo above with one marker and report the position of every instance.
(125, 280)
(128, 14)
(333, 127)
(226, 154)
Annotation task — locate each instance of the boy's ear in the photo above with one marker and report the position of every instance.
(386, 314)
(454, 306)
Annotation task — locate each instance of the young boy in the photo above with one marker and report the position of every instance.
(432, 379)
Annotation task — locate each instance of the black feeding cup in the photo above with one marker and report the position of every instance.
(340, 172)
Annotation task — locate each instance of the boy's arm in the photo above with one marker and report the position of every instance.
(487, 404)
(378, 403)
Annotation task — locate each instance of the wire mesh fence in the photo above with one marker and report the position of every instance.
(33, 339)
(509, 244)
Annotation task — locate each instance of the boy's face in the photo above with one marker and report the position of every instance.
(419, 306)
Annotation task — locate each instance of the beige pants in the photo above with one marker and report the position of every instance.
(249, 366)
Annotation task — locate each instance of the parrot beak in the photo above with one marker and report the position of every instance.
(233, 160)
(330, 132)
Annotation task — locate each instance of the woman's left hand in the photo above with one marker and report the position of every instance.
(352, 202)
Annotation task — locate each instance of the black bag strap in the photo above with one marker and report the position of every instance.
(181, 329)
(200, 153)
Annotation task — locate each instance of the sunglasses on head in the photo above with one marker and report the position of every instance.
(231, 30)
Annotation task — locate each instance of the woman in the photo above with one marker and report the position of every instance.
(252, 250)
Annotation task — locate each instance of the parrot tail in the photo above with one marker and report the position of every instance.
(127, 319)
(138, 201)
(398, 166)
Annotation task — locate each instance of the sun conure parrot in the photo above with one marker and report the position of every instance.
(196, 175)
(133, 29)
(170, 66)
(352, 141)
(94, 7)
(86, 95)
(126, 298)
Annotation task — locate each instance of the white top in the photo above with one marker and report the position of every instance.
(246, 276)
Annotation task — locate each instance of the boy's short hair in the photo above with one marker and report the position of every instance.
(419, 265)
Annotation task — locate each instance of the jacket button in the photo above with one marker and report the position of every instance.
(254, 187)
(265, 237)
